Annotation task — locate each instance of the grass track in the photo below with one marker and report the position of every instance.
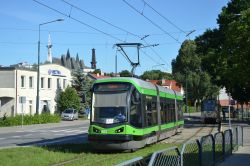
(69, 155)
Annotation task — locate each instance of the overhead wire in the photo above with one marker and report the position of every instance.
(170, 22)
(115, 26)
(79, 21)
(152, 22)
(69, 16)
(84, 11)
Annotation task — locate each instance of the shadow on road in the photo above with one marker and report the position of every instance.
(72, 139)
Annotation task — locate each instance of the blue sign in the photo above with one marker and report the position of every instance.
(54, 72)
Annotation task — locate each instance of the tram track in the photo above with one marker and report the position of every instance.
(190, 132)
(200, 130)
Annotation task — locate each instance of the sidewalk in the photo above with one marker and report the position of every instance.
(240, 157)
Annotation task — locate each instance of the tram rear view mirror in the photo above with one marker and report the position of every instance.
(136, 97)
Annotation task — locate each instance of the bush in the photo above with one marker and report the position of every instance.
(28, 120)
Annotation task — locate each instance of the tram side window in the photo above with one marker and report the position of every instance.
(173, 112)
(179, 108)
(154, 113)
(149, 112)
(167, 112)
(163, 112)
(135, 113)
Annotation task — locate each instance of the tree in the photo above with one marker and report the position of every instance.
(186, 69)
(97, 71)
(125, 73)
(82, 85)
(68, 99)
(156, 75)
(225, 50)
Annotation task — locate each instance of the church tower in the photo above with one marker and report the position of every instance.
(49, 46)
(93, 63)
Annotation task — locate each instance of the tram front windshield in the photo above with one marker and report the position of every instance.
(209, 105)
(109, 107)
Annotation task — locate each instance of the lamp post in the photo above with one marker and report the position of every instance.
(38, 65)
(186, 94)
(157, 65)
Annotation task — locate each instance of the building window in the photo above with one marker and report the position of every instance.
(64, 83)
(49, 83)
(42, 82)
(58, 83)
(31, 82)
(22, 81)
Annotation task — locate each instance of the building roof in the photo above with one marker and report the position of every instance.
(97, 76)
(172, 84)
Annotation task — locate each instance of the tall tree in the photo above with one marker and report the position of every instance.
(225, 50)
(187, 70)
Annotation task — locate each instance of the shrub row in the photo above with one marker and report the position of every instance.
(28, 120)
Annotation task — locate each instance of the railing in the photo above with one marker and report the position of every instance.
(170, 156)
(208, 151)
(138, 161)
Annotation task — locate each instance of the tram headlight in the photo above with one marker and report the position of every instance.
(96, 130)
(120, 130)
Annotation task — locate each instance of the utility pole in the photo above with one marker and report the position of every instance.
(38, 65)
(186, 94)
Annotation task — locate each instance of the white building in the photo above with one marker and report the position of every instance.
(18, 88)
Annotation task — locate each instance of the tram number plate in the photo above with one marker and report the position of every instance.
(104, 131)
(109, 121)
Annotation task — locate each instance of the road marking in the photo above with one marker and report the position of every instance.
(72, 131)
(27, 135)
(2, 138)
(59, 134)
(17, 136)
(20, 131)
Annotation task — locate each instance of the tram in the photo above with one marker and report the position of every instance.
(129, 113)
(209, 111)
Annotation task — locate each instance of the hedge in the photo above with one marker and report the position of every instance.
(28, 120)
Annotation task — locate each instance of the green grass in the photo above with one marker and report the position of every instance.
(79, 154)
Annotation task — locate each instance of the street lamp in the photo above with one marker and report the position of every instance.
(186, 94)
(157, 65)
(38, 65)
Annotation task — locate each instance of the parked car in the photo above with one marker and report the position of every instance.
(69, 114)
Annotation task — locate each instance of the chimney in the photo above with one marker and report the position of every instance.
(93, 62)
(49, 46)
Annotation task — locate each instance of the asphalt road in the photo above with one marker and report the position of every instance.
(44, 134)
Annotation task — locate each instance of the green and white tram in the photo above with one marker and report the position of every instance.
(129, 113)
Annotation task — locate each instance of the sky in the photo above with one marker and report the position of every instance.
(100, 24)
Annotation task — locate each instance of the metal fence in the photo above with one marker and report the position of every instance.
(207, 151)
(138, 161)
(189, 153)
(237, 116)
(170, 156)
(219, 147)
